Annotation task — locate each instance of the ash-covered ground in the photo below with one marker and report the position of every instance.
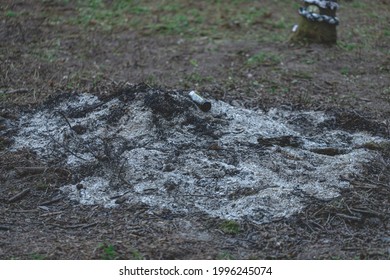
(155, 147)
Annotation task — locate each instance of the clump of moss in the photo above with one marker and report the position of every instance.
(230, 227)
(315, 32)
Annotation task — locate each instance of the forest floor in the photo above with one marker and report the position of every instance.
(237, 52)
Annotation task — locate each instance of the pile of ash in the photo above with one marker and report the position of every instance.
(156, 147)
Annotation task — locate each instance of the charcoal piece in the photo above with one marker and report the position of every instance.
(282, 141)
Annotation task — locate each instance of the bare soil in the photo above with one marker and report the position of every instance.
(42, 60)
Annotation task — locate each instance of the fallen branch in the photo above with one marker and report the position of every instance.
(19, 196)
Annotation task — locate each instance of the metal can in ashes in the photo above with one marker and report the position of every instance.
(202, 103)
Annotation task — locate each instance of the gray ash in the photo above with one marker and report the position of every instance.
(162, 151)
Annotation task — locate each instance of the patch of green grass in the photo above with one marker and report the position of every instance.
(194, 62)
(3, 95)
(172, 24)
(302, 75)
(304, 98)
(225, 256)
(345, 71)
(230, 227)
(386, 94)
(136, 255)
(42, 185)
(37, 256)
(280, 23)
(48, 52)
(107, 16)
(252, 15)
(217, 19)
(10, 14)
(358, 5)
(309, 61)
(152, 81)
(347, 46)
(197, 78)
(338, 257)
(263, 58)
(108, 252)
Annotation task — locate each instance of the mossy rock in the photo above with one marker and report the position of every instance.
(314, 32)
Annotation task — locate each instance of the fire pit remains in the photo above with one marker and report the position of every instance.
(158, 148)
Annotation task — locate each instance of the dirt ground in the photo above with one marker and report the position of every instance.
(52, 48)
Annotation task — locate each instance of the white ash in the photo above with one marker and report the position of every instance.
(158, 149)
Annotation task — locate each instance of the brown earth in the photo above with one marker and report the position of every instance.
(41, 58)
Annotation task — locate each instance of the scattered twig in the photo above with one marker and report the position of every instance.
(82, 226)
(38, 170)
(31, 170)
(120, 176)
(317, 224)
(120, 195)
(349, 217)
(247, 240)
(5, 228)
(351, 248)
(51, 213)
(23, 211)
(198, 195)
(307, 224)
(329, 219)
(319, 87)
(51, 201)
(65, 148)
(366, 186)
(44, 208)
(65, 118)
(378, 183)
(19, 196)
(121, 199)
(16, 91)
(72, 129)
(349, 210)
(366, 211)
